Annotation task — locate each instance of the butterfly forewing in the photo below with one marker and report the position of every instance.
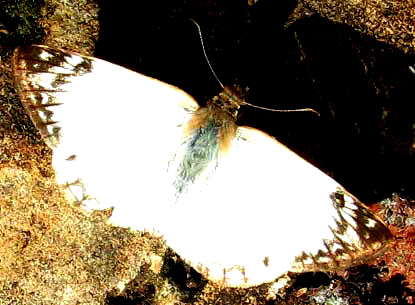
(357, 237)
(242, 213)
(104, 122)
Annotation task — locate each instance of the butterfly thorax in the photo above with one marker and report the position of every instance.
(221, 111)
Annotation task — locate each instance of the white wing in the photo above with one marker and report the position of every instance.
(110, 127)
(253, 213)
(265, 211)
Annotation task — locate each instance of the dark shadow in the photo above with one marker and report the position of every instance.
(362, 88)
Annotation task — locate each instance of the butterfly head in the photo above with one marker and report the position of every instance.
(229, 100)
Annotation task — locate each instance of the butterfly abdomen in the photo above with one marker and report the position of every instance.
(207, 135)
(201, 148)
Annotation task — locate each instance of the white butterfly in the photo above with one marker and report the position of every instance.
(232, 201)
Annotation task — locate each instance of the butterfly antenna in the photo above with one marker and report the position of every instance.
(283, 110)
(204, 52)
(245, 103)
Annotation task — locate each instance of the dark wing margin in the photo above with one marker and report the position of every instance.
(358, 238)
(40, 74)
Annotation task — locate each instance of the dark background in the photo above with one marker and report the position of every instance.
(363, 88)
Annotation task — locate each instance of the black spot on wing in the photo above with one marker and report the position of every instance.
(358, 237)
(40, 73)
(41, 59)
